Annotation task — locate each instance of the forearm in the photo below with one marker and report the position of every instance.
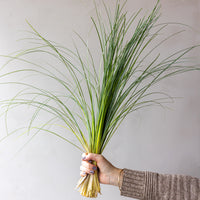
(133, 184)
(142, 185)
(154, 186)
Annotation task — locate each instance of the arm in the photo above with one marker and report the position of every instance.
(143, 185)
(154, 186)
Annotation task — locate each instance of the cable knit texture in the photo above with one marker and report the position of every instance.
(153, 186)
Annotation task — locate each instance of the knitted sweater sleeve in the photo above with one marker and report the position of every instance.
(153, 186)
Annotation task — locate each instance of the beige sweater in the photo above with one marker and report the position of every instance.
(154, 186)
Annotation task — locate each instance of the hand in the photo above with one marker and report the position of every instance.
(108, 174)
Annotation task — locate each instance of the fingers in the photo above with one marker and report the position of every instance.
(89, 165)
(90, 156)
(83, 173)
(87, 168)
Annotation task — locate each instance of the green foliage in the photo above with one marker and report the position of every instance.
(102, 101)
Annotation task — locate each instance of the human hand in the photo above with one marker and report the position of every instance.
(108, 174)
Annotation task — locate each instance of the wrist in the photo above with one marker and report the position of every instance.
(116, 177)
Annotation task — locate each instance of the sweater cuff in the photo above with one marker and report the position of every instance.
(133, 184)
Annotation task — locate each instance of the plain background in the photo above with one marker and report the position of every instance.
(154, 139)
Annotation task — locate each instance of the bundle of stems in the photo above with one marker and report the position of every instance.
(102, 97)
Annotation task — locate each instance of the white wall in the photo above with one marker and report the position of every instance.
(155, 139)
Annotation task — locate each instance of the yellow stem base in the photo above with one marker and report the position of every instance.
(89, 185)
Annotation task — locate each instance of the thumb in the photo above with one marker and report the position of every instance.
(90, 156)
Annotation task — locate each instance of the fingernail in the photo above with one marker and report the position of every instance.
(92, 172)
(84, 173)
(90, 161)
(94, 168)
(84, 158)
